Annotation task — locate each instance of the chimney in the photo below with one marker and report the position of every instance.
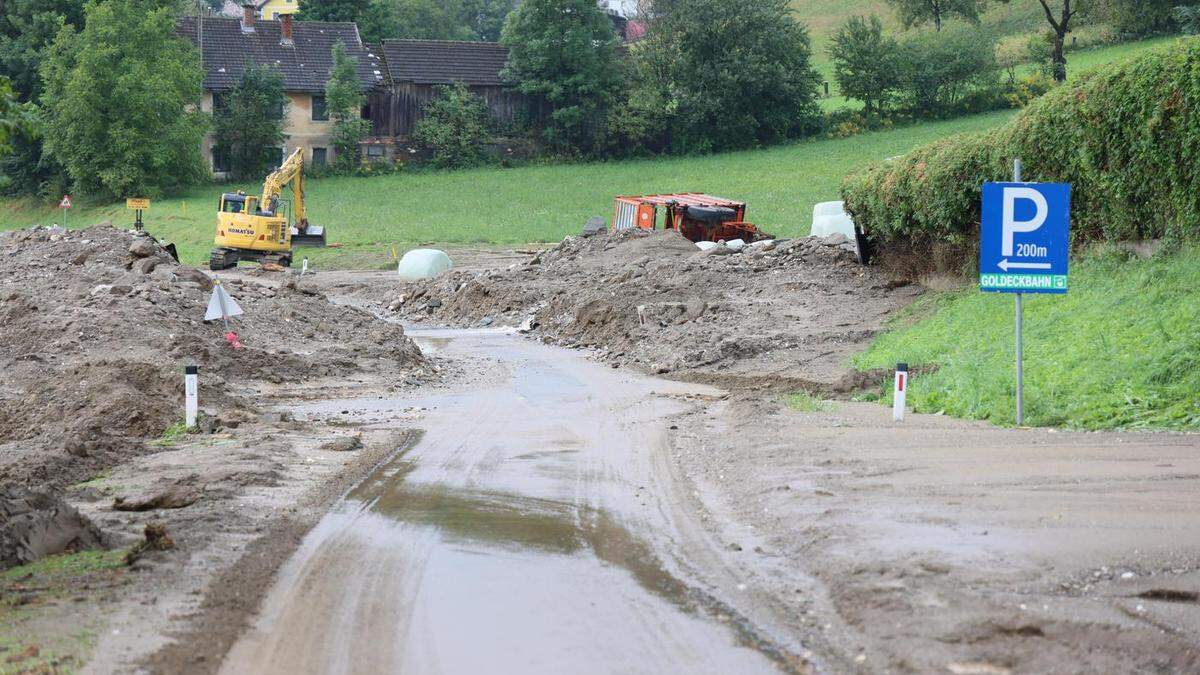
(248, 18)
(285, 29)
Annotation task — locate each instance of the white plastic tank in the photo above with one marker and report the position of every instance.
(831, 217)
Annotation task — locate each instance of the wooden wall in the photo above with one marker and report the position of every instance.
(395, 111)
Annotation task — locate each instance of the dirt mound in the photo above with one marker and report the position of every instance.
(791, 310)
(98, 324)
(35, 524)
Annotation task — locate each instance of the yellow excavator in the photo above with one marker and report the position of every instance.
(259, 228)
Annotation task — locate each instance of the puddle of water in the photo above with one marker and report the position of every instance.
(518, 523)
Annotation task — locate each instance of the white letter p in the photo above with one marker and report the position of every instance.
(1011, 225)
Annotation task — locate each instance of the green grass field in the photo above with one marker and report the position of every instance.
(529, 204)
(1120, 351)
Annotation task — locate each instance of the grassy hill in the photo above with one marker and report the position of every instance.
(1120, 351)
(537, 203)
(1013, 20)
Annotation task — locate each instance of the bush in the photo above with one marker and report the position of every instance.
(455, 128)
(1027, 89)
(865, 62)
(939, 71)
(1126, 137)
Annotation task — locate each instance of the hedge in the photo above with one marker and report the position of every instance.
(1127, 137)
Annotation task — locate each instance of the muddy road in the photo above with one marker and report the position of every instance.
(534, 528)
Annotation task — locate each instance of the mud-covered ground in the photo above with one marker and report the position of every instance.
(937, 545)
(786, 312)
(854, 543)
(98, 325)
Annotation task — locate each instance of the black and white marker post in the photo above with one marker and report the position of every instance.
(191, 403)
(898, 395)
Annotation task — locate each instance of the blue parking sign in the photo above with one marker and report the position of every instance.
(1025, 237)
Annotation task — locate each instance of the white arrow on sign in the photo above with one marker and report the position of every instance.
(1005, 265)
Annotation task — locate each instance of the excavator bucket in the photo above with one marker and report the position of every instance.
(313, 237)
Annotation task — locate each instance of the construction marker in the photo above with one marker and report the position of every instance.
(304, 267)
(901, 390)
(191, 402)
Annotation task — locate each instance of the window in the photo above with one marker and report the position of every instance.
(218, 101)
(365, 112)
(319, 113)
(277, 112)
(374, 151)
(320, 156)
(220, 159)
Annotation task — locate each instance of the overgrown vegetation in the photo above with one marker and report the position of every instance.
(564, 53)
(343, 102)
(456, 127)
(1120, 351)
(803, 401)
(1122, 137)
(248, 122)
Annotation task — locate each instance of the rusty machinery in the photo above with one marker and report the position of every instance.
(699, 217)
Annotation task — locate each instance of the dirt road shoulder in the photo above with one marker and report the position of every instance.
(942, 545)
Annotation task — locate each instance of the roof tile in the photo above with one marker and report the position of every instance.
(305, 64)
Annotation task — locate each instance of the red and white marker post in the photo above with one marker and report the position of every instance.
(900, 392)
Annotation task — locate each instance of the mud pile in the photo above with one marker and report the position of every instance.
(788, 310)
(98, 324)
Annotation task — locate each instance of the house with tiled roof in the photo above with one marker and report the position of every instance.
(301, 51)
(415, 68)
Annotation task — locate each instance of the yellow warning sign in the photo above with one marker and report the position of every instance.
(137, 204)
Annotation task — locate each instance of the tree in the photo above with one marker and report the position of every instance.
(864, 62)
(343, 101)
(564, 53)
(486, 17)
(1137, 18)
(939, 70)
(920, 12)
(737, 73)
(122, 115)
(430, 20)
(456, 126)
(333, 10)
(14, 117)
(1060, 27)
(248, 123)
(27, 28)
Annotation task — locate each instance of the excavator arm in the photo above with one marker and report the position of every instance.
(292, 171)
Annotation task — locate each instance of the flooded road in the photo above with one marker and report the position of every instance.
(525, 531)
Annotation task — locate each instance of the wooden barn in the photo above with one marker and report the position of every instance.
(415, 68)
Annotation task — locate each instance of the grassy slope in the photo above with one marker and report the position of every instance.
(1121, 350)
(823, 17)
(540, 203)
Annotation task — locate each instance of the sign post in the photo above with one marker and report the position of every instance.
(64, 205)
(1024, 248)
(137, 205)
